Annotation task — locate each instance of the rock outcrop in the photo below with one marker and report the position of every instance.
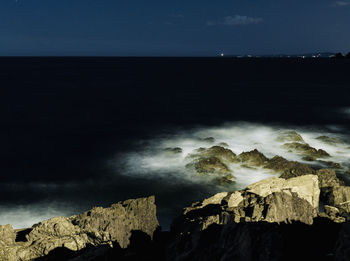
(213, 162)
(306, 150)
(274, 219)
(99, 228)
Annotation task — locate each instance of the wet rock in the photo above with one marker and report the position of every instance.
(98, 227)
(223, 144)
(213, 162)
(290, 136)
(252, 158)
(289, 169)
(306, 150)
(209, 139)
(330, 164)
(330, 140)
(175, 150)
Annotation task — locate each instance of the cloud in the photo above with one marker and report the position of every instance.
(341, 3)
(236, 20)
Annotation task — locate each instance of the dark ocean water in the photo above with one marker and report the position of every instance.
(63, 120)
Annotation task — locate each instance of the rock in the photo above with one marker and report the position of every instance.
(306, 150)
(274, 219)
(212, 166)
(7, 235)
(99, 227)
(333, 214)
(289, 169)
(223, 144)
(175, 150)
(290, 136)
(209, 139)
(330, 140)
(339, 197)
(328, 178)
(330, 164)
(252, 158)
(213, 162)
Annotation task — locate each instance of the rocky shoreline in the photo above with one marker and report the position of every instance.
(302, 213)
(275, 219)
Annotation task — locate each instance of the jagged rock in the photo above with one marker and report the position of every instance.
(175, 150)
(252, 158)
(330, 164)
(306, 150)
(274, 219)
(333, 213)
(211, 165)
(213, 162)
(290, 136)
(289, 169)
(330, 140)
(339, 197)
(98, 227)
(7, 235)
(328, 178)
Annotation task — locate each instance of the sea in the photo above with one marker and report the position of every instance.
(79, 132)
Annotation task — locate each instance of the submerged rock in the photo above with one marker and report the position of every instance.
(209, 139)
(99, 227)
(175, 150)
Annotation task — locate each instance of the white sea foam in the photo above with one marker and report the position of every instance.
(153, 162)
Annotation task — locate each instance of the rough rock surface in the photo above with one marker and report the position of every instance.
(330, 140)
(274, 219)
(252, 158)
(305, 149)
(289, 169)
(213, 162)
(290, 136)
(99, 227)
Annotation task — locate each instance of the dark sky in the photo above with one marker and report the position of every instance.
(164, 27)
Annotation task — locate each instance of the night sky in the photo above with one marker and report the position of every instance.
(172, 28)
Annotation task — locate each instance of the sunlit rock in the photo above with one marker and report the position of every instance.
(95, 228)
